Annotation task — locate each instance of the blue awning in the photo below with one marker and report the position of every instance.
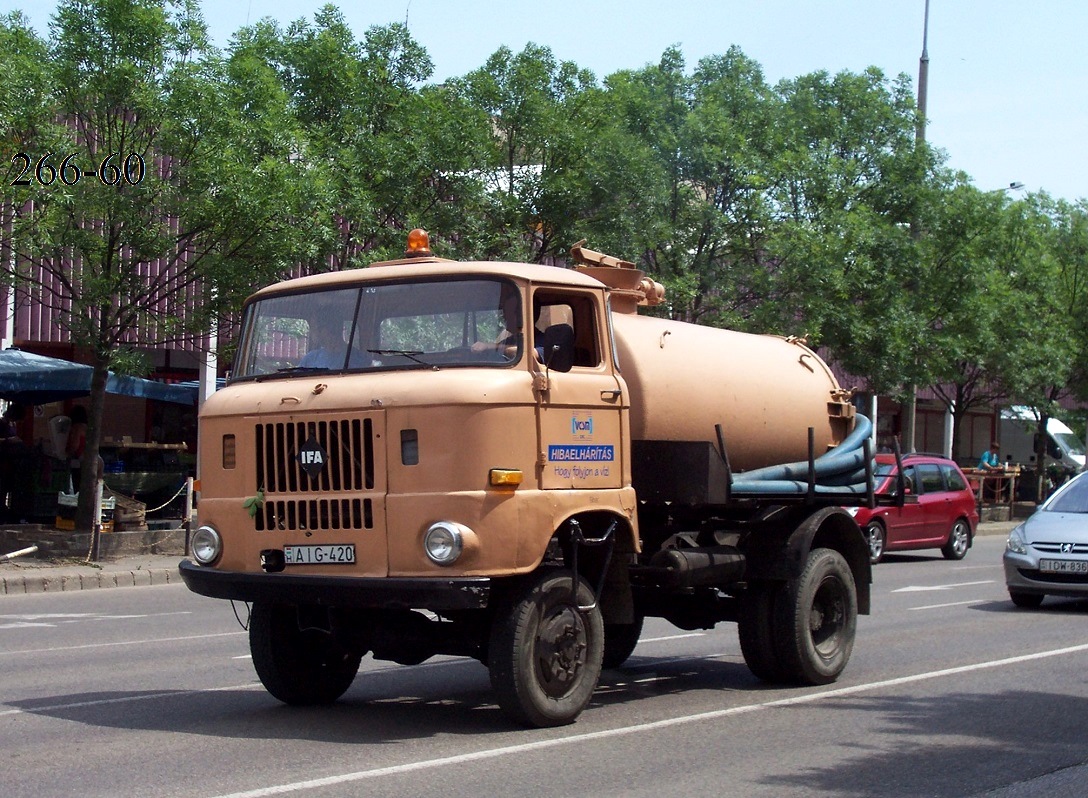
(31, 379)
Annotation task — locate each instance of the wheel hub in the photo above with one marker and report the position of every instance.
(561, 648)
(827, 617)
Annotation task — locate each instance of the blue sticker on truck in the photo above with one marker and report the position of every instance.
(581, 454)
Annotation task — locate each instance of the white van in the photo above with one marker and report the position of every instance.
(1018, 428)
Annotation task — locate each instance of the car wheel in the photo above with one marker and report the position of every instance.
(959, 539)
(1028, 601)
(878, 539)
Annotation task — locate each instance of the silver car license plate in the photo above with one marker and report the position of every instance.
(1064, 566)
(336, 553)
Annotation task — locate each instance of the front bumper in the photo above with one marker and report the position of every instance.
(1022, 575)
(464, 593)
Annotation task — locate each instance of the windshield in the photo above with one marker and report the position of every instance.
(418, 324)
(1070, 442)
(1072, 498)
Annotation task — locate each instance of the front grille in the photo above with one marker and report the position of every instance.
(1056, 548)
(316, 514)
(348, 447)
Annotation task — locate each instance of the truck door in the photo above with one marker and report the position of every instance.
(580, 410)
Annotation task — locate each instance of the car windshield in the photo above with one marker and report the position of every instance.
(381, 326)
(1073, 498)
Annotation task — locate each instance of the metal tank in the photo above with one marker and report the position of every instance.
(764, 391)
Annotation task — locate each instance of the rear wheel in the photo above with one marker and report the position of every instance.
(878, 539)
(1027, 601)
(755, 630)
(299, 667)
(815, 619)
(959, 539)
(545, 653)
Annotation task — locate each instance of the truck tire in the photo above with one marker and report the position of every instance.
(815, 619)
(544, 655)
(755, 629)
(620, 640)
(299, 667)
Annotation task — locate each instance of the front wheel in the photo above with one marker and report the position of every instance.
(959, 539)
(620, 640)
(815, 619)
(299, 667)
(545, 652)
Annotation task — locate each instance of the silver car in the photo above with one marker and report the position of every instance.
(1048, 553)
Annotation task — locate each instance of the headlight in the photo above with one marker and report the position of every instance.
(1016, 543)
(443, 542)
(206, 545)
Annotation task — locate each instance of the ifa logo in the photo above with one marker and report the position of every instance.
(312, 457)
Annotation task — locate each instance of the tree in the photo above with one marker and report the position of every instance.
(188, 192)
(557, 168)
(1046, 242)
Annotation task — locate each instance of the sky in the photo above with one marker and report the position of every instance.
(1007, 88)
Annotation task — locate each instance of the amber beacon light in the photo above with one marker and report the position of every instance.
(419, 244)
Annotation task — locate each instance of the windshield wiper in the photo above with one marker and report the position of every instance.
(289, 371)
(411, 354)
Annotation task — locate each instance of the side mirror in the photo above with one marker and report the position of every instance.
(557, 347)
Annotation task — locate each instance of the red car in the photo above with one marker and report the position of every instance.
(938, 512)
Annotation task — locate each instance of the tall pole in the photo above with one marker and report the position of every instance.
(910, 406)
(923, 80)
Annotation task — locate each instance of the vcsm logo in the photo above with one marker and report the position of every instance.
(581, 427)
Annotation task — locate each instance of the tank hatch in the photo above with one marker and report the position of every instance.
(630, 286)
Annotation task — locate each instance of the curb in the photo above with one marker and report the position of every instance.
(61, 580)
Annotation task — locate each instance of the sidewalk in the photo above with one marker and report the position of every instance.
(30, 575)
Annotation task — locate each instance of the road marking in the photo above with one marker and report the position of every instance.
(121, 643)
(53, 619)
(942, 606)
(576, 739)
(642, 640)
(925, 588)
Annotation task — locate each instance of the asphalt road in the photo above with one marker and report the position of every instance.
(950, 692)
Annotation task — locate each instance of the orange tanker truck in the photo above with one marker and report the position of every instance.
(505, 461)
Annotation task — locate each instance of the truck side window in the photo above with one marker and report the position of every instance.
(551, 310)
